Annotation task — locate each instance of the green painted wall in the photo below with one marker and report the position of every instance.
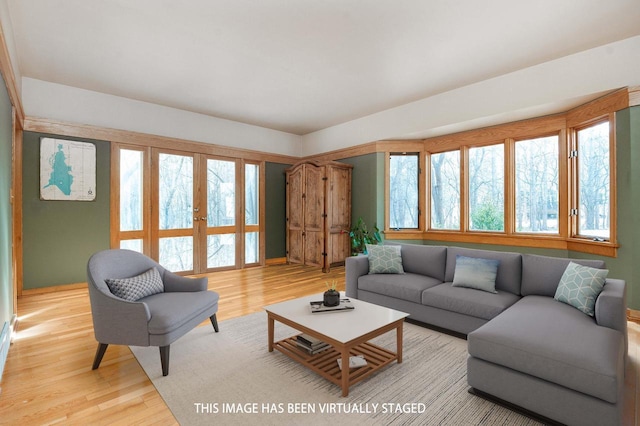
(6, 222)
(275, 215)
(367, 189)
(60, 236)
(628, 201)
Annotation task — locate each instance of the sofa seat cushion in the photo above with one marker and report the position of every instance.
(406, 286)
(170, 311)
(555, 342)
(468, 301)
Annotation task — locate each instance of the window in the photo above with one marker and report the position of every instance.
(251, 213)
(221, 208)
(175, 207)
(131, 219)
(543, 182)
(190, 211)
(536, 194)
(486, 188)
(594, 182)
(403, 191)
(445, 190)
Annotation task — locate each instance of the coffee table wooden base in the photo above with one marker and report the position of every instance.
(325, 363)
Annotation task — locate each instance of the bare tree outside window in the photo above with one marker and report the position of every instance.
(221, 208)
(486, 188)
(445, 190)
(130, 190)
(251, 212)
(403, 191)
(537, 185)
(175, 207)
(594, 181)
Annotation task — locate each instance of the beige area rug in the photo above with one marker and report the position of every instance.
(229, 378)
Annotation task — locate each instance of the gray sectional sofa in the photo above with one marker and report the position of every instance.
(524, 346)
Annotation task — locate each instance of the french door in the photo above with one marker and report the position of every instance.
(203, 212)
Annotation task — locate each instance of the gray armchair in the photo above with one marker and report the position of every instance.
(155, 320)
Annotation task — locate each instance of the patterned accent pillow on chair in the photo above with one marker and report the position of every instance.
(384, 259)
(135, 288)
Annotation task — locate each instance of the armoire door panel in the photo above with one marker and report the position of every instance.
(314, 248)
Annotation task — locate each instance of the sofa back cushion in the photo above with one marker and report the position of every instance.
(541, 274)
(424, 260)
(509, 271)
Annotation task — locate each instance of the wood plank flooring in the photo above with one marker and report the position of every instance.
(48, 377)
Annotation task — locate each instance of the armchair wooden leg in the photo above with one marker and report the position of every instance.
(164, 359)
(102, 348)
(214, 322)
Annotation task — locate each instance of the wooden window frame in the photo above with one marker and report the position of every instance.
(564, 125)
(421, 192)
(239, 229)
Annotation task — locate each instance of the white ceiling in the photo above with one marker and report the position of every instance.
(301, 65)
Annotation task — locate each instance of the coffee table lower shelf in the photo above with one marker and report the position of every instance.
(325, 363)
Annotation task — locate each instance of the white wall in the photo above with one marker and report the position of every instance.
(543, 89)
(69, 104)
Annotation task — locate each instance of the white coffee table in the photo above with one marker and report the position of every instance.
(347, 332)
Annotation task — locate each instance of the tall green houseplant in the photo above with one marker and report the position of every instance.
(361, 236)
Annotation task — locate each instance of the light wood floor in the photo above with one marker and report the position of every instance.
(48, 377)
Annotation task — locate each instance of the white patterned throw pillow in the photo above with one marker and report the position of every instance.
(135, 288)
(580, 286)
(384, 259)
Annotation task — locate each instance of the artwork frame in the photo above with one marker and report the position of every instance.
(67, 170)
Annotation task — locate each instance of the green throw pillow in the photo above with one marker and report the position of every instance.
(384, 259)
(476, 273)
(580, 287)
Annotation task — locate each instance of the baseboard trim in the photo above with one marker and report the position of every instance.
(276, 261)
(633, 315)
(53, 289)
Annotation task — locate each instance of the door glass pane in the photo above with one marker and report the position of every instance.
(221, 193)
(403, 191)
(130, 190)
(176, 253)
(486, 188)
(221, 250)
(537, 185)
(251, 248)
(176, 191)
(135, 245)
(445, 190)
(593, 181)
(251, 194)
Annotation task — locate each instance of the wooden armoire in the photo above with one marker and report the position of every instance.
(318, 213)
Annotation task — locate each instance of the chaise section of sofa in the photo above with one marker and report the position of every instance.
(549, 357)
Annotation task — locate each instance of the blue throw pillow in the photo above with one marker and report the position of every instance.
(476, 273)
(384, 259)
(580, 286)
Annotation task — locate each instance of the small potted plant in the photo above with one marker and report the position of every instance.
(361, 236)
(331, 296)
